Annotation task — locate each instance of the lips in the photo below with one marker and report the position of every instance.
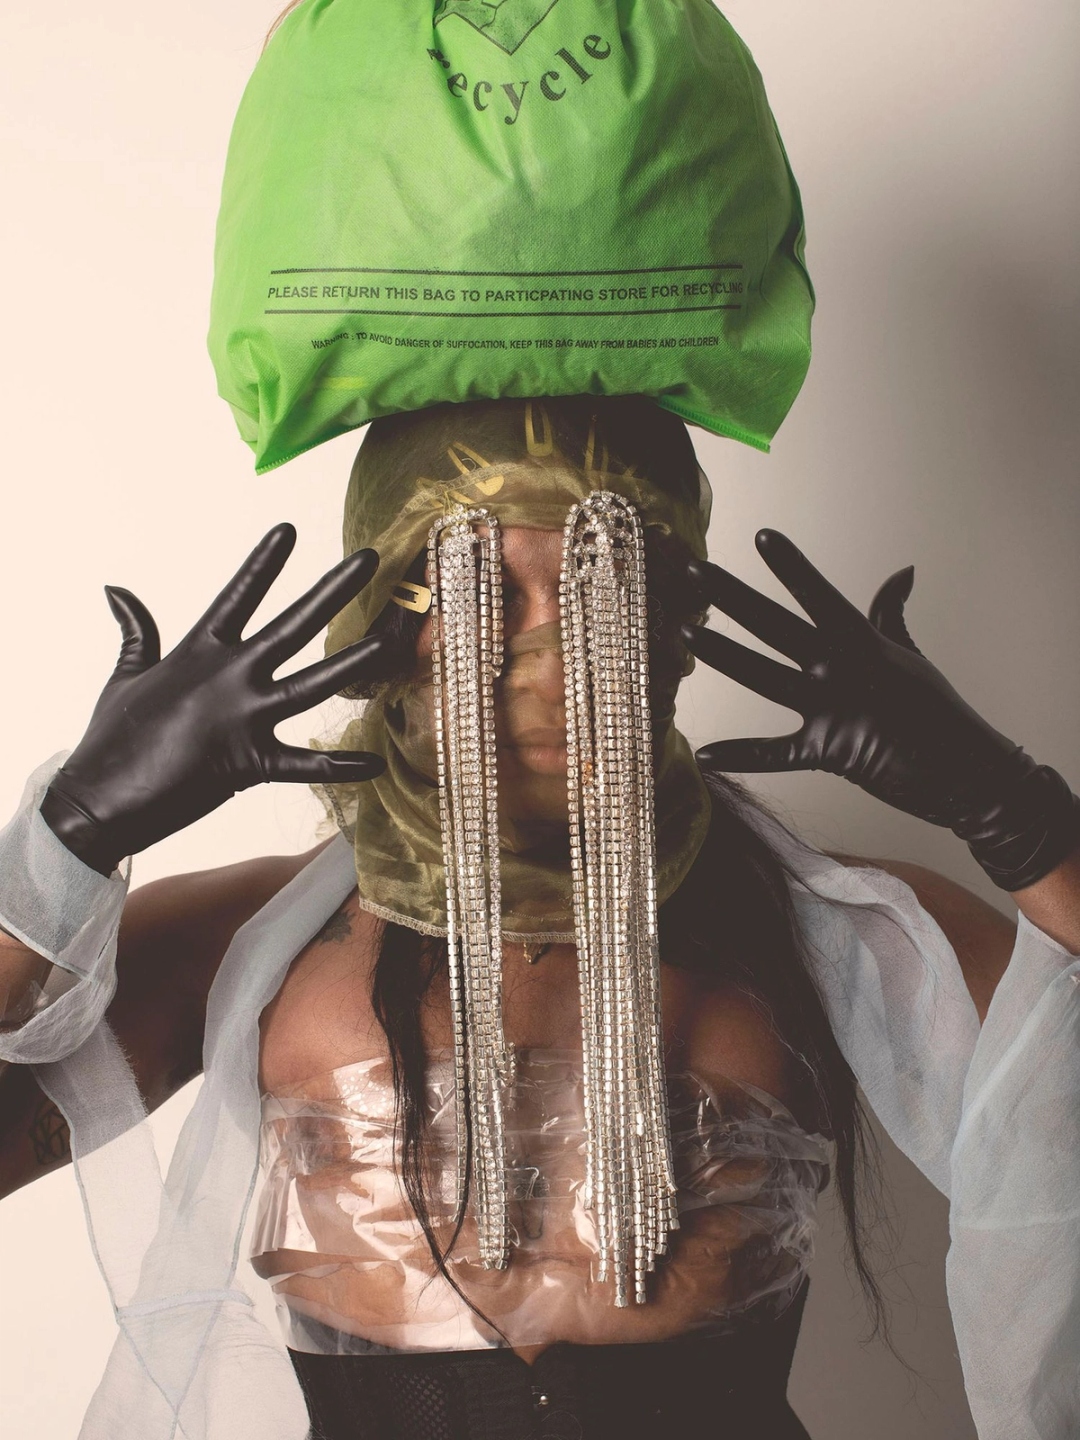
(540, 751)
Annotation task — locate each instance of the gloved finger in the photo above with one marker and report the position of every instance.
(296, 765)
(304, 618)
(886, 611)
(140, 644)
(757, 672)
(757, 756)
(368, 660)
(774, 624)
(818, 597)
(234, 606)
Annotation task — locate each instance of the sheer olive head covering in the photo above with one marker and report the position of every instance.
(527, 462)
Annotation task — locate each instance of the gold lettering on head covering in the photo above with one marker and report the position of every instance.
(452, 450)
(600, 474)
(545, 445)
(491, 486)
(590, 445)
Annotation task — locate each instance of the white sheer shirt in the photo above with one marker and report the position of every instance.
(991, 1116)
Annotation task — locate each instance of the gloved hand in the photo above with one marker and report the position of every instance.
(172, 739)
(877, 712)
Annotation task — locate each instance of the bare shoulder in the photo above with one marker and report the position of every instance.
(981, 935)
(206, 907)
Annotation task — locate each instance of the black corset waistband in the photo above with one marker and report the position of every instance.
(730, 1387)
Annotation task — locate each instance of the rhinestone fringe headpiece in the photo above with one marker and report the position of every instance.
(467, 655)
(604, 616)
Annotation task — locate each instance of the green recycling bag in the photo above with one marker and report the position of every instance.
(449, 200)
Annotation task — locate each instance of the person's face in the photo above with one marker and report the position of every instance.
(530, 704)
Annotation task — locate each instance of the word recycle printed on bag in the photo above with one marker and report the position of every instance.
(469, 199)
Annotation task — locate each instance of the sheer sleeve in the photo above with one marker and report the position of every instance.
(67, 913)
(191, 1359)
(895, 996)
(1013, 1268)
(990, 1116)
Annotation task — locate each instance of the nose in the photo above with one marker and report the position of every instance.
(538, 673)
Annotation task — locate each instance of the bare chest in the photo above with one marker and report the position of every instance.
(323, 1016)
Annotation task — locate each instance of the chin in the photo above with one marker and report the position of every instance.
(532, 783)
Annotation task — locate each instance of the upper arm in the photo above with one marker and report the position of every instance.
(982, 937)
(173, 936)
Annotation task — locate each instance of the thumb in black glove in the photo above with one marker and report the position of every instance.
(172, 739)
(877, 712)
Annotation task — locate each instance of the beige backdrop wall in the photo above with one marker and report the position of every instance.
(935, 144)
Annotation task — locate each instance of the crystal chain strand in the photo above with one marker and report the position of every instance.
(604, 612)
(467, 655)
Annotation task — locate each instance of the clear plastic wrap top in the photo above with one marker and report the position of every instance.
(352, 1270)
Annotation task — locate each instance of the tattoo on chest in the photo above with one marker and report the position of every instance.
(49, 1135)
(336, 929)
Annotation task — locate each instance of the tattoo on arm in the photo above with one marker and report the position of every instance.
(337, 929)
(49, 1135)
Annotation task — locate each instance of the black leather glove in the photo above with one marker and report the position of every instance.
(172, 739)
(877, 712)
